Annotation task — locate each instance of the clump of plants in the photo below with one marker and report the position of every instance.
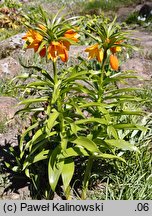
(135, 18)
(10, 19)
(78, 111)
(97, 6)
(10, 15)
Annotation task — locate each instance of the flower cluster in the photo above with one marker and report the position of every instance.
(96, 52)
(55, 48)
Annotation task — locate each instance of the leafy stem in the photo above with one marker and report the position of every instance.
(55, 72)
(100, 93)
(87, 175)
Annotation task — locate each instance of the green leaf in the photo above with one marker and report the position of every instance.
(52, 118)
(47, 75)
(56, 92)
(31, 159)
(87, 143)
(123, 97)
(41, 156)
(27, 172)
(109, 156)
(39, 83)
(75, 76)
(122, 144)
(25, 133)
(38, 135)
(34, 100)
(75, 128)
(55, 167)
(67, 172)
(36, 109)
(118, 78)
(129, 126)
(112, 132)
(127, 112)
(93, 104)
(75, 151)
(122, 90)
(90, 120)
(77, 108)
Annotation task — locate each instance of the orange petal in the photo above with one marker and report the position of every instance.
(62, 52)
(114, 62)
(95, 52)
(99, 55)
(52, 52)
(66, 44)
(55, 43)
(71, 34)
(93, 47)
(70, 31)
(28, 34)
(42, 53)
(115, 49)
(35, 46)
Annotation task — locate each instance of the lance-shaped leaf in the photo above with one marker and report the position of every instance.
(34, 100)
(87, 144)
(90, 120)
(67, 172)
(55, 167)
(39, 135)
(109, 156)
(25, 133)
(75, 151)
(111, 131)
(56, 92)
(35, 158)
(52, 118)
(122, 144)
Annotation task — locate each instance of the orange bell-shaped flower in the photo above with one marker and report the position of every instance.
(114, 62)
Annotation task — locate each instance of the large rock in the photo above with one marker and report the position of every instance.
(146, 10)
(8, 107)
(9, 67)
(8, 46)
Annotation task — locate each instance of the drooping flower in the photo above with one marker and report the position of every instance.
(114, 62)
(33, 39)
(56, 49)
(113, 58)
(70, 36)
(115, 49)
(95, 52)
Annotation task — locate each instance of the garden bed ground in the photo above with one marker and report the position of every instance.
(141, 62)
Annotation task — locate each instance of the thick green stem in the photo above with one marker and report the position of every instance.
(87, 175)
(62, 126)
(60, 110)
(55, 72)
(100, 95)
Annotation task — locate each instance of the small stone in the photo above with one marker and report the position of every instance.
(9, 67)
(14, 196)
